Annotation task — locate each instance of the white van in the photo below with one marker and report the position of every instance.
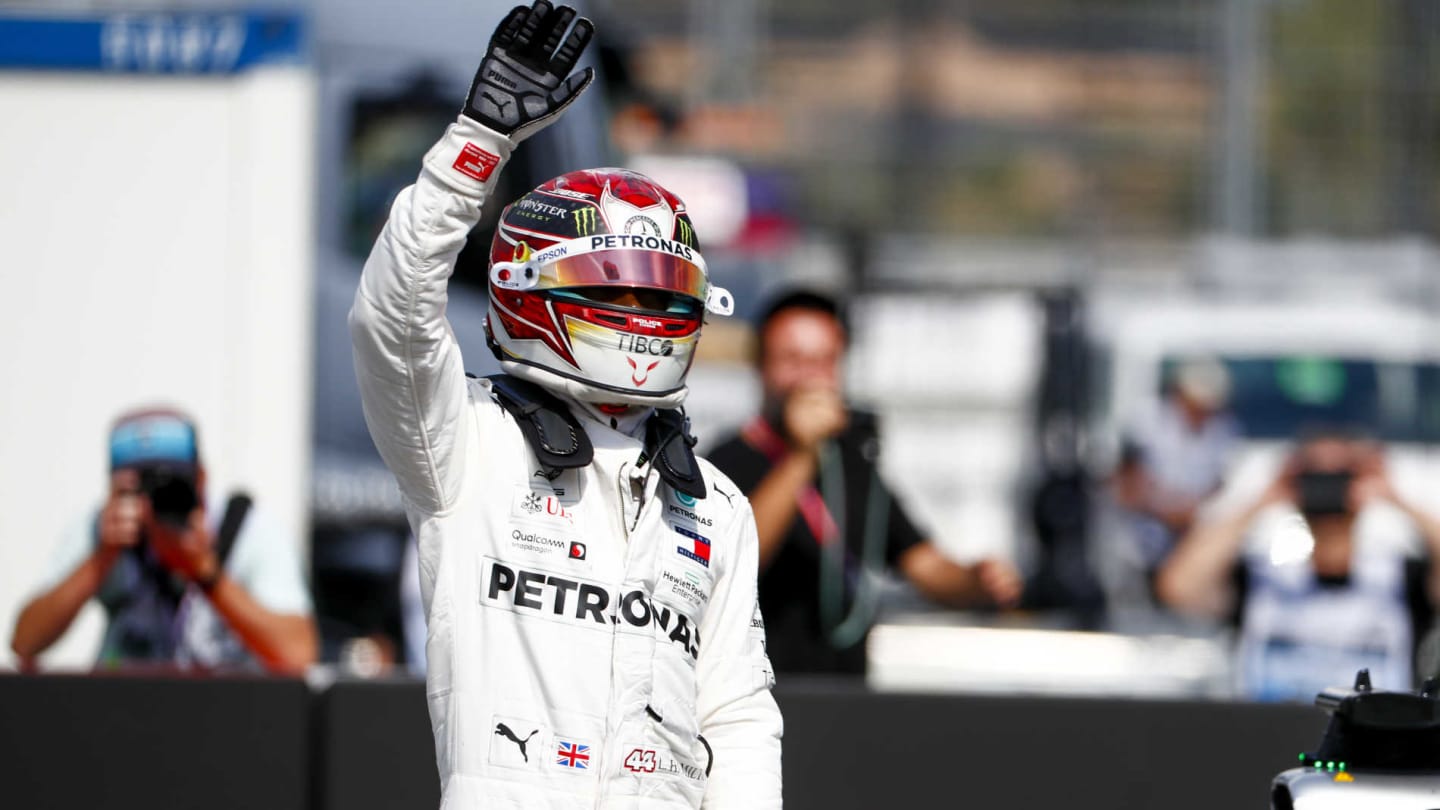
(1365, 362)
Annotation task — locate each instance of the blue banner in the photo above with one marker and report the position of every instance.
(152, 42)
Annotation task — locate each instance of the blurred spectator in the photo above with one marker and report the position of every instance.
(828, 525)
(1319, 591)
(1175, 459)
(179, 583)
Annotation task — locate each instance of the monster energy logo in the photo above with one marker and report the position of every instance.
(584, 220)
(687, 233)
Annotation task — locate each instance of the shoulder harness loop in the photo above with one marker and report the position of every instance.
(555, 437)
(560, 443)
(669, 443)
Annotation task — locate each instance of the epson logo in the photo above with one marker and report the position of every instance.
(572, 599)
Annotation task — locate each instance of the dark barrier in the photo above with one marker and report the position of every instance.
(122, 743)
(374, 748)
(846, 748)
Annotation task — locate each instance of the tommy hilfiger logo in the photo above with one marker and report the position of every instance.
(699, 550)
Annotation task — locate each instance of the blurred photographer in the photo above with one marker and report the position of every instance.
(1173, 459)
(1316, 583)
(828, 526)
(180, 584)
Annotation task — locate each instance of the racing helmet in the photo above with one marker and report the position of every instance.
(598, 289)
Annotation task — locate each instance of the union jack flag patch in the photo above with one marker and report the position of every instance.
(573, 755)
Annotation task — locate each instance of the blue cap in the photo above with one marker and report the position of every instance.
(153, 438)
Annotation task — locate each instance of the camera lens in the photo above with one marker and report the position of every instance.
(172, 494)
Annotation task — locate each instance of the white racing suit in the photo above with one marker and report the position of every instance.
(593, 641)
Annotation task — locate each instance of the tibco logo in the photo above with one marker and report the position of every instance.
(639, 344)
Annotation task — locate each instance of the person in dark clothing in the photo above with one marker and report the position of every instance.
(828, 525)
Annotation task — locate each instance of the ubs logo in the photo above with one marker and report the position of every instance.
(534, 503)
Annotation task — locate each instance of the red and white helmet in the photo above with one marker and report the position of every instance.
(598, 289)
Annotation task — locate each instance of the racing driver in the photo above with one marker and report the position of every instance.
(589, 585)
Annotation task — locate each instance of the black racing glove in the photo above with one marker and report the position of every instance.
(524, 81)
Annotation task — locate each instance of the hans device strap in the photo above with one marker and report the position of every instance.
(560, 443)
(556, 439)
(668, 442)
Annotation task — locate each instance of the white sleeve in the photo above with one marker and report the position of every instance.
(412, 380)
(738, 716)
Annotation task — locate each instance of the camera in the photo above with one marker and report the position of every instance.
(1324, 493)
(172, 493)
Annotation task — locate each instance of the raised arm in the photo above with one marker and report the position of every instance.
(1195, 578)
(412, 381)
(1372, 484)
